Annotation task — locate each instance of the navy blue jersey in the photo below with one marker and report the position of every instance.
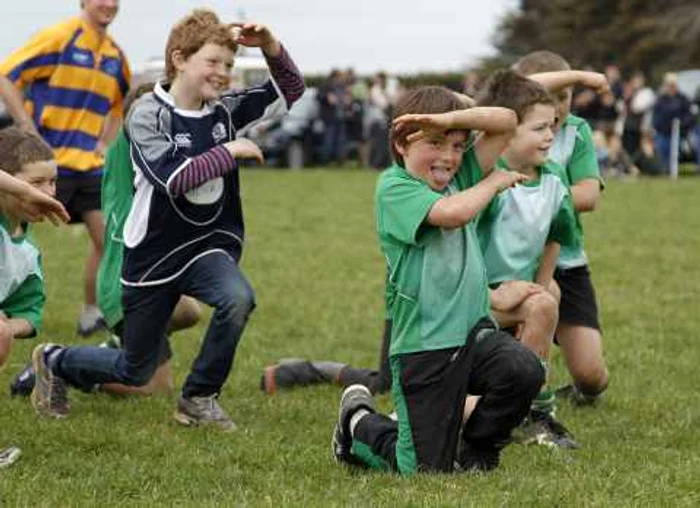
(165, 233)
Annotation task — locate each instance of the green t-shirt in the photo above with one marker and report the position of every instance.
(519, 222)
(436, 288)
(574, 149)
(21, 279)
(117, 195)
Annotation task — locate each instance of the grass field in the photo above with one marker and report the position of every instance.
(312, 257)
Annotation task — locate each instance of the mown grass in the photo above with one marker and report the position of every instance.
(312, 257)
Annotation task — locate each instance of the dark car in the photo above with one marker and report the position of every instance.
(295, 140)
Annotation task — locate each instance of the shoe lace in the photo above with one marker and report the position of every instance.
(211, 408)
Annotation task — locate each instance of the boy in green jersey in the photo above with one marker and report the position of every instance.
(443, 341)
(31, 162)
(579, 332)
(27, 158)
(524, 228)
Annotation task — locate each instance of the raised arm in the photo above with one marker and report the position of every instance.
(555, 81)
(282, 68)
(496, 124)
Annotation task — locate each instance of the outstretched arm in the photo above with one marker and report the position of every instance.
(456, 210)
(28, 203)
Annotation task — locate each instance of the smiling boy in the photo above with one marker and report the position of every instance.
(184, 233)
(443, 341)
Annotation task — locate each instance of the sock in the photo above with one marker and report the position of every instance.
(544, 402)
(92, 311)
(52, 354)
(355, 419)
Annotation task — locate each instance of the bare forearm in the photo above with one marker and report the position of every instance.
(109, 132)
(554, 81)
(493, 120)
(15, 104)
(586, 195)
(545, 272)
(459, 209)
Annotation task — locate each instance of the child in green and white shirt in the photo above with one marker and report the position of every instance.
(524, 228)
(29, 159)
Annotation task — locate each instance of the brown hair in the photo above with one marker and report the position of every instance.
(198, 28)
(18, 148)
(541, 61)
(508, 89)
(423, 100)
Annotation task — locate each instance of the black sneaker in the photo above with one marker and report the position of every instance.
(574, 395)
(23, 383)
(542, 428)
(471, 458)
(194, 411)
(354, 397)
(289, 373)
(49, 396)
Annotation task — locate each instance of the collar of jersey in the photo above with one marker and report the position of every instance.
(164, 96)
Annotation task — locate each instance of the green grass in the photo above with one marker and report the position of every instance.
(313, 259)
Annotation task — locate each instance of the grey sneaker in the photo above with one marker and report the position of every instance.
(354, 397)
(49, 396)
(9, 456)
(543, 429)
(90, 322)
(195, 411)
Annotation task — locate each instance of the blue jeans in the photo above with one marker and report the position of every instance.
(662, 145)
(215, 280)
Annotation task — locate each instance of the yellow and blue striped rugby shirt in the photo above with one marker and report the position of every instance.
(73, 78)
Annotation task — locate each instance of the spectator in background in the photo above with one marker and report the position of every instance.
(354, 116)
(671, 105)
(376, 122)
(612, 73)
(334, 98)
(75, 78)
(646, 158)
(639, 102)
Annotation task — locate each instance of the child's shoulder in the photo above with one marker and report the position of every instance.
(551, 167)
(580, 126)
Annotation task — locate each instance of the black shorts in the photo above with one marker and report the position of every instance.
(165, 353)
(79, 194)
(578, 304)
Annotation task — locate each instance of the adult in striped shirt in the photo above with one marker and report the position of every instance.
(73, 78)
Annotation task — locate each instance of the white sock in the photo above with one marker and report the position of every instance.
(355, 419)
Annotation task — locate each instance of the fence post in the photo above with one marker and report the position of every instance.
(675, 148)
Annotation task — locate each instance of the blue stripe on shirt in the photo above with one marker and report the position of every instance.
(37, 61)
(69, 139)
(75, 99)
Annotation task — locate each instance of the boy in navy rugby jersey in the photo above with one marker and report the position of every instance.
(184, 232)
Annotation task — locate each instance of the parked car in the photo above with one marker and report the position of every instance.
(295, 140)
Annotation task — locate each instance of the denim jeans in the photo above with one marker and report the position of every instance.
(662, 145)
(215, 280)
